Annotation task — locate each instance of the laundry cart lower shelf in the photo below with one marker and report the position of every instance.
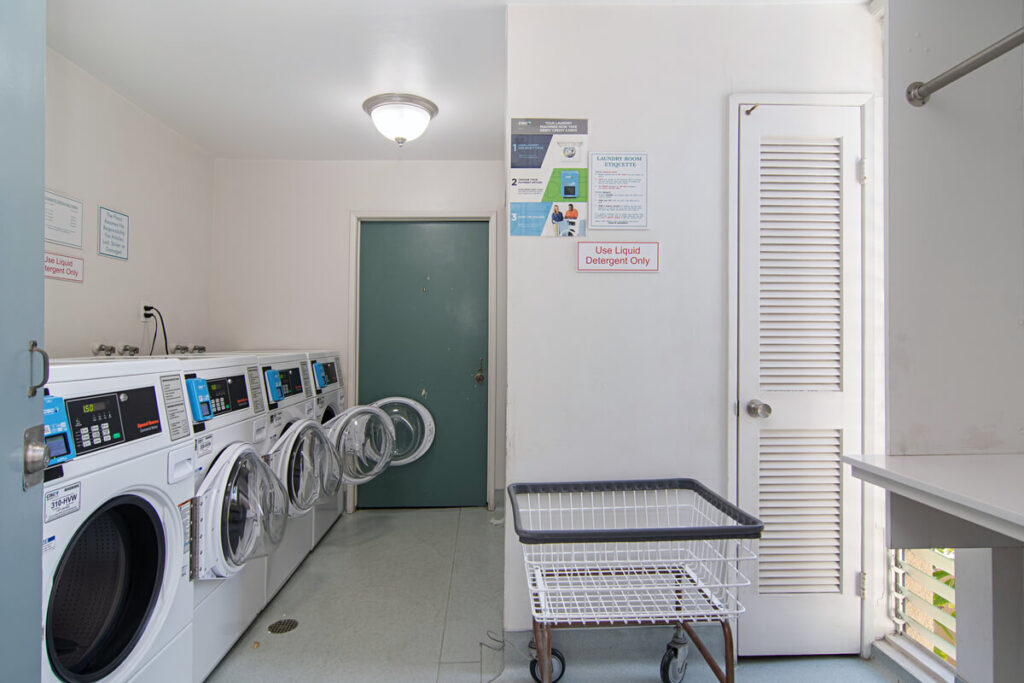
(632, 553)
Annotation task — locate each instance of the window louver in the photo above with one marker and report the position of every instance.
(800, 266)
(799, 500)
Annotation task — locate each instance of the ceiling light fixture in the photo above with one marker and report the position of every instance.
(399, 116)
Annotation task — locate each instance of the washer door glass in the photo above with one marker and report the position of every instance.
(243, 509)
(303, 454)
(365, 439)
(414, 428)
(254, 510)
(104, 589)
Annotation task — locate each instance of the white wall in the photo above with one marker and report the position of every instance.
(281, 245)
(624, 375)
(103, 150)
(955, 233)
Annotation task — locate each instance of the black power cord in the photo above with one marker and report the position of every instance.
(162, 326)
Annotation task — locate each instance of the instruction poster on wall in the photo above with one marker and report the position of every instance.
(62, 219)
(548, 178)
(619, 187)
(113, 233)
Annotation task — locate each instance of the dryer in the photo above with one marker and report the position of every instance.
(235, 530)
(329, 402)
(117, 595)
(287, 384)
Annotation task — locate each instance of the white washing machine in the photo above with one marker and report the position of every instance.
(288, 387)
(117, 595)
(228, 417)
(329, 402)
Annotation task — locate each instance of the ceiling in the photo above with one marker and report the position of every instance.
(285, 79)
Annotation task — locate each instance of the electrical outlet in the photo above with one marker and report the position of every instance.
(142, 310)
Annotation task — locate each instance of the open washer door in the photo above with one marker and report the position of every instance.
(306, 462)
(414, 428)
(242, 509)
(365, 439)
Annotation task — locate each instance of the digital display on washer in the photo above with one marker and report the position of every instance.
(291, 382)
(227, 394)
(98, 422)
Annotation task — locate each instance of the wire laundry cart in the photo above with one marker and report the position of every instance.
(632, 553)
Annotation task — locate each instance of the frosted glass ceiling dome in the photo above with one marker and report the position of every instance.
(399, 116)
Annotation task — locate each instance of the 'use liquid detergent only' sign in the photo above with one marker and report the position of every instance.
(618, 257)
(60, 267)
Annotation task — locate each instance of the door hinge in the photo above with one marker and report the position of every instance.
(193, 545)
(862, 585)
(862, 171)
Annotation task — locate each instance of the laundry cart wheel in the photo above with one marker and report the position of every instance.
(557, 667)
(673, 664)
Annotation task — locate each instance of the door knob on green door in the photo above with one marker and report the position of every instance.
(479, 377)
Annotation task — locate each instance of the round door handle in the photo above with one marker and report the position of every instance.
(758, 409)
(479, 376)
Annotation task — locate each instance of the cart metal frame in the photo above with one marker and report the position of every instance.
(633, 553)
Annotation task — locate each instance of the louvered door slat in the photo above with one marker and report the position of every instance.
(801, 515)
(801, 268)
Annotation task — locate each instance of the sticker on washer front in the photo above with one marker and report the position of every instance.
(185, 510)
(49, 543)
(204, 445)
(174, 403)
(62, 501)
(309, 410)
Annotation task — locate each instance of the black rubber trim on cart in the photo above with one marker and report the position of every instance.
(747, 526)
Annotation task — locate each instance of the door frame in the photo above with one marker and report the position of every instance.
(876, 620)
(352, 362)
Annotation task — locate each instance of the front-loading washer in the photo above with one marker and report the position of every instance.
(328, 403)
(117, 592)
(228, 417)
(288, 387)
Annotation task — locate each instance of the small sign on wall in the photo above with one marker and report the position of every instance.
(113, 233)
(60, 267)
(618, 257)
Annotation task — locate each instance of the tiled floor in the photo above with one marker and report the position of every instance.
(388, 595)
(414, 596)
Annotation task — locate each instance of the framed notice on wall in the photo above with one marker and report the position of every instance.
(618, 184)
(113, 233)
(62, 219)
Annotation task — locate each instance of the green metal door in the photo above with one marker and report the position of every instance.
(423, 334)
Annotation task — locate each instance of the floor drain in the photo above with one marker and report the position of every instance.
(283, 626)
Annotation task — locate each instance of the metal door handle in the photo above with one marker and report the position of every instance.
(758, 409)
(33, 388)
(479, 376)
(37, 455)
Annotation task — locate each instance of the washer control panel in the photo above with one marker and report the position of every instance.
(106, 420)
(325, 374)
(283, 383)
(199, 399)
(56, 432)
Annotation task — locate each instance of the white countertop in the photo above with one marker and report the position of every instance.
(987, 490)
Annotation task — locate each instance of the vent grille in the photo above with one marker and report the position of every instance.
(283, 626)
(799, 501)
(800, 309)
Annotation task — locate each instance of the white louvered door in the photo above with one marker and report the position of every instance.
(800, 353)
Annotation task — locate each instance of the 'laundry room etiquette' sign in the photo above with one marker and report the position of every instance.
(61, 267)
(547, 181)
(618, 189)
(62, 219)
(113, 233)
(618, 257)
